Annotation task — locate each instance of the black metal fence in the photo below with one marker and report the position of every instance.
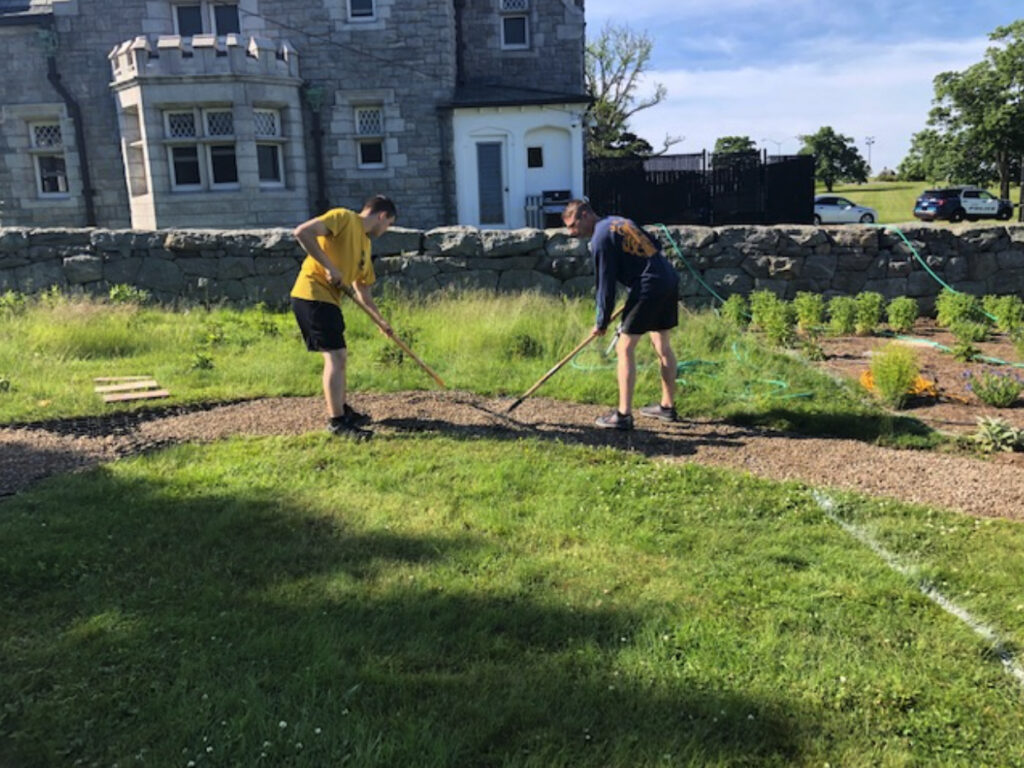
(708, 189)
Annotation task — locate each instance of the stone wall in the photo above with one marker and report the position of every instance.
(260, 265)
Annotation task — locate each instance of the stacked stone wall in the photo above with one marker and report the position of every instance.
(260, 265)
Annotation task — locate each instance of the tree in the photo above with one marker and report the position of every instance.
(835, 157)
(728, 144)
(614, 64)
(977, 120)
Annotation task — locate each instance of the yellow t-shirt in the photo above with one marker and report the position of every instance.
(348, 248)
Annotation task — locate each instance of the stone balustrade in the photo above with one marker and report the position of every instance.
(202, 55)
(260, 265)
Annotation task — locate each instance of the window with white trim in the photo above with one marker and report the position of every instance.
(370, 136)
(361, 10)
(515, 24)
(206, 17)
(201, 148)
(269, 147)
(47, 149)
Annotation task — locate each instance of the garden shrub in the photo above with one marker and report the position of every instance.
(12, 303)
(122, 293)
(894, 370)
(810, 309)
(761, 303)
(995, 435)
(842, 315)
(779, 324)
(902, 313)
(952, 307)
(966, 330)
(870, 306)
(735, 310)
(1008, 311)
(994, 388)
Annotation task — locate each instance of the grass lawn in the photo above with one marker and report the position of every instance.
(430, 601)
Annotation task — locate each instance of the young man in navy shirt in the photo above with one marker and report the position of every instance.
(624, 253)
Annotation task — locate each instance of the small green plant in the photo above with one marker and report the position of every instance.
(810, 347)
(12, 303)
(779, 324)
(966, 330)
(1000, 390)
(902, 314)
(1017, 337)
(894, 370)
(736, 311)
(810, 310)
(201, 362)
(842, 315)
(5, 384)
(965, 351)
(520, 344)
(952, 307)
(994, 435)
(870, 306)
(1008, 311)
(761, 304)
(122, 293)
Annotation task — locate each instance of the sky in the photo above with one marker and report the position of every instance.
(776, 69)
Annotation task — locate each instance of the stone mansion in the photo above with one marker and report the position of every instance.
(150, 114)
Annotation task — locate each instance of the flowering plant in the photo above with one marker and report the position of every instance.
(1000, 390)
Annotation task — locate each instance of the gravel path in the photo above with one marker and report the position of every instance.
(983, 488)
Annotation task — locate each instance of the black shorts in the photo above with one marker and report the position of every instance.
(321, 323)
(652, 307)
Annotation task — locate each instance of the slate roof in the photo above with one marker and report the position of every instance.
(509, 96)
(25, 7)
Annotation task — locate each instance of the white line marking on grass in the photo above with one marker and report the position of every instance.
(989, 635)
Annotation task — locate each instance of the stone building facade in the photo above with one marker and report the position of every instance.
(256, 113)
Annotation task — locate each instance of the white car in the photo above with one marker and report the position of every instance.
(833, 209)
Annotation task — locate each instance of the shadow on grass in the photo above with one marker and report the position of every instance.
(164, 619)
(902, 431)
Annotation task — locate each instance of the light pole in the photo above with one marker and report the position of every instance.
(869, 141)
(778, 145)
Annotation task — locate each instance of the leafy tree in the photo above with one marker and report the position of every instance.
(726, 144)
(614, 63)
(977, 118)
(835, 157)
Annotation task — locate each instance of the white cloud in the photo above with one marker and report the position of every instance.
(860, 89)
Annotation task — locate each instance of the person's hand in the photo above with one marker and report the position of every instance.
(598, 331)
(334, 277)
(385, 328)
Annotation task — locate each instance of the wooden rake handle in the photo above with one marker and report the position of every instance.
(590, 337)
(347, 290)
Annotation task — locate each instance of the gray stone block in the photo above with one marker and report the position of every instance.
(687, 239)
(780, 288)
(13, 240)
(528, 279)
(515, 242)
(160, 275)
(69, 238)
(921, 284)
(820, 268)
(113, 240)
(900, 268)
(272, 264)
(37, 277)
(398, 240)
(957, 269)
(84, 268)
(578, 286)
(729, 281)
(121, 270)
(197, 267)
(560, 243)
(192, 240)
(861, 238)
(889, 287)
(1011, 259)
(235, 267)
(453, 241)
(982, 266)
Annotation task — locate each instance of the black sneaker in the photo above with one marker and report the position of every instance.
(659, 411)
(343, 426)
(355, 417)
(615, 420)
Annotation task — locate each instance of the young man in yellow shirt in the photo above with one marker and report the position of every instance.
(337, 245)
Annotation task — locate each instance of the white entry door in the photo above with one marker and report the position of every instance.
(491, 185)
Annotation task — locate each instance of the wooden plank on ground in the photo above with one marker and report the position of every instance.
(148, 394)
(128, 386)
(99, 379)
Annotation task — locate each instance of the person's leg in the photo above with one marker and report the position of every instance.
(626, 369)
(667, 366)
(334, 381)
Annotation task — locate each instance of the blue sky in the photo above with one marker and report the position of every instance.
(776, 69)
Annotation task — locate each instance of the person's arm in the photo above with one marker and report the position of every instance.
(307, 233)
(365, 296)
(605, 262)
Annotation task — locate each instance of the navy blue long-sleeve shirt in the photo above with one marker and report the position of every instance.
(624, 253)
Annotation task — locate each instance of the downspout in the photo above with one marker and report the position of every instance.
(314, 98)
(75, 113)
(446, 115)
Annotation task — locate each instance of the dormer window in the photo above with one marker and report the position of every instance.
(515, 24)
(206, 17)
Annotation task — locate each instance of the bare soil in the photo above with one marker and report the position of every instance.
(992, 488)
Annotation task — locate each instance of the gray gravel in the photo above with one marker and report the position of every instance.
(993, 488)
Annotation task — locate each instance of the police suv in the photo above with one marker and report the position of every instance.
(959, 203)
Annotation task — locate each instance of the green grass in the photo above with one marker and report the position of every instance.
(894, 200)
(434, 601)
(52, 349)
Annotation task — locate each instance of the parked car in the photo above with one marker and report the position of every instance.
(833, 209)
(959, 203)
